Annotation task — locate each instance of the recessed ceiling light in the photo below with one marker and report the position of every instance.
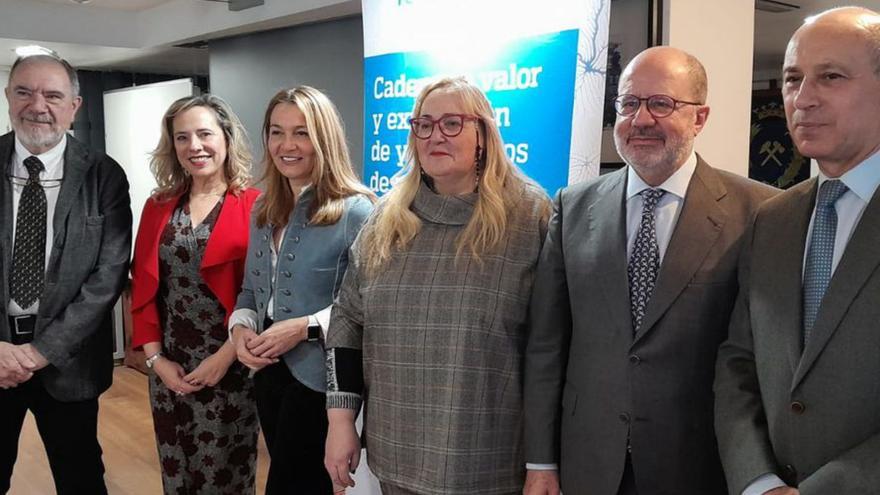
(81, 2)
(29, 50)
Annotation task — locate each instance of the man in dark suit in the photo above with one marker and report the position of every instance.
(634, 288)
(798, 382)
(65, 223)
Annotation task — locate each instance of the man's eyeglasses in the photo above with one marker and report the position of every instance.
(658, 106)
(450, 124)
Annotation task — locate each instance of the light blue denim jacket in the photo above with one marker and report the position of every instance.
(311, 262)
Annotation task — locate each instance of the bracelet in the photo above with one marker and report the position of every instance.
(152, 359)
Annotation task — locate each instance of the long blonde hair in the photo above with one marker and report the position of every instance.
(500, 183)
(332, 176)
(171, 178)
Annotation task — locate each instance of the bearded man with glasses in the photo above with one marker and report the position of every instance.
(632, 298)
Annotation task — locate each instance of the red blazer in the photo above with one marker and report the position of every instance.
(222, 265)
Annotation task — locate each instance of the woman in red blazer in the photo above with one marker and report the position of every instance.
(187, 270)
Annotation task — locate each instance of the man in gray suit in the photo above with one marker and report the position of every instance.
(634, 288)
(65, 224)
(798, 382)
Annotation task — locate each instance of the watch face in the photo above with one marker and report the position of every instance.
(314, 332)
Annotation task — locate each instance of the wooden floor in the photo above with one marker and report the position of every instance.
(125, 430)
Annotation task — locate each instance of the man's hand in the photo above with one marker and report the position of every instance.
(35, 356)
(783, 490)
(241, 336)
(281, 337)
(539, 482)
(16, 366)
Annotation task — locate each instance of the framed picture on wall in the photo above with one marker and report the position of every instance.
(773, 157)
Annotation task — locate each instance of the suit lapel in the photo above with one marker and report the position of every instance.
(858, 263)
(76, 164)
(695, 233)
(607, 225)
(788, 227)
(6, 147)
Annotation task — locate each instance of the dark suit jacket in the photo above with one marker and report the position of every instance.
(589, 383)
(86, 271)
(222, 266)
(813, 418)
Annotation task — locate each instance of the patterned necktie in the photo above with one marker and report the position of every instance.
(29, 253)
(817, 269)
(644, 262)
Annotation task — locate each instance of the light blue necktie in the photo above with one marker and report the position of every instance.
(644, 262)
(817, 269)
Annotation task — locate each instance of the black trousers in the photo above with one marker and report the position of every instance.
(294, 421)
(69, 431)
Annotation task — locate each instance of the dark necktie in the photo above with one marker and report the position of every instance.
(644, 262)
(817, 268)
(29, 253)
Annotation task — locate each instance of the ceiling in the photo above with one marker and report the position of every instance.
(140, 35)
(127, 5)
(154, 36)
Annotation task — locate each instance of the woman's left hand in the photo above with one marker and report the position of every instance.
(281, 337)
(213, 368)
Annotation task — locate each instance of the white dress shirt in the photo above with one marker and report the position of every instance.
(665, 218)
(50, 177)
(862, 181)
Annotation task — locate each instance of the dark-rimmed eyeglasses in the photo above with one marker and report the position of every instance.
(658, 106)
(450, 124)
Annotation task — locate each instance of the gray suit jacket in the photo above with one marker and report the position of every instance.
(87, 269)
(812, 417)
(588, 383)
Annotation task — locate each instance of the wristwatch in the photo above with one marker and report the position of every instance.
(152, 359)
(314, 332)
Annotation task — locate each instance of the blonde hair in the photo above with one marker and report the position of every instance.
(332, 176)
(499, 185)
(171, 178)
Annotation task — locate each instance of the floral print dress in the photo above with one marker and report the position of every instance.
(207, 440)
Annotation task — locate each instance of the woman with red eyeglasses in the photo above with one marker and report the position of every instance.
(428, 329)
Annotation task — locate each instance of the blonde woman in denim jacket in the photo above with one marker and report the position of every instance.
(300, 233)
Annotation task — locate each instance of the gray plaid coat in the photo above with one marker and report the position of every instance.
(442, 343)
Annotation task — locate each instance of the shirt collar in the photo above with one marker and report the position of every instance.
(862, 179)
(676, 184)
(52, 159)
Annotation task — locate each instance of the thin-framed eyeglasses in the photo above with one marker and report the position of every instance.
(450, 124)
(658, 106)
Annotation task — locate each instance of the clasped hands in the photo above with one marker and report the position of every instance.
(257, 351)
(18, 363)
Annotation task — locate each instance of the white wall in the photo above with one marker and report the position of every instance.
(4, 106)
(721, 34)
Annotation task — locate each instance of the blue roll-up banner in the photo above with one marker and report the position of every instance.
(541, 64)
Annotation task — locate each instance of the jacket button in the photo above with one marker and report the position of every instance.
(261, 290)
(790, 474)
(624, 418)
(259, 254)
(256, 273)
(285, 309)
(296, 239)
(798, 407)
(635, 360)
(265, 237)
(290, 256)
(286, 274)
(286, 292)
